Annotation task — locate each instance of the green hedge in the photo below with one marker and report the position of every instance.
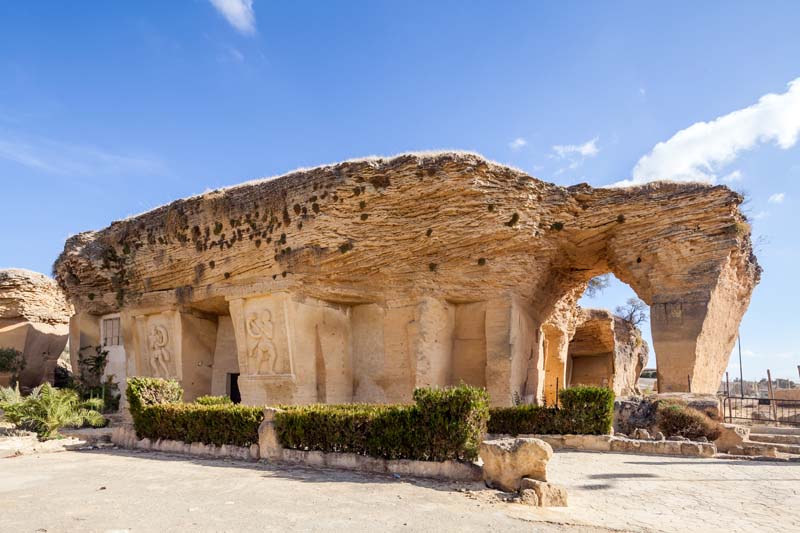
(142, 391)
(581, 411)
(442, 424)
(213, 400)
(158, 413)
(210, 424)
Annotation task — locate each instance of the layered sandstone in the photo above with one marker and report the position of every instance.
(606, 350)
(34, 318)
(435, 256)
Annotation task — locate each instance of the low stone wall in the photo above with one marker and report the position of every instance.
(125, 437)
(611, 443)
(270, 451)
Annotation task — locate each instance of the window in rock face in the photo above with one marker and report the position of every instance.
(111, 334)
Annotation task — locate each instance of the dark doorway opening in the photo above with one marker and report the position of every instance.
(233, 388)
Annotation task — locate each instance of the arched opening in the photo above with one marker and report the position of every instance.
(598, 334)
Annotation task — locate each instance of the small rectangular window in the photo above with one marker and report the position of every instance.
(111, 334)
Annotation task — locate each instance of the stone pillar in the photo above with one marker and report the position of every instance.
(434, 342)
(555, 350)
(693, 335)
(170, 344)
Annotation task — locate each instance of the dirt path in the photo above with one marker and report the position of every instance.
(142, 491)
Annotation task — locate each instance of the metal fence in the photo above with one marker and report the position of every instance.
(761, 410)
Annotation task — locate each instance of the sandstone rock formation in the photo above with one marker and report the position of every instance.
(507, 461)
(606, 350)
(34, 318)
(360, 280)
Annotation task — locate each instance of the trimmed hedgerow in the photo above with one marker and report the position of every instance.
(442, 424)
(142, 391)
(235, 425)
(158, 413)
(213, 400)
(581, 411)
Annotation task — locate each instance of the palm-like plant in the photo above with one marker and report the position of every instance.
(48, 409)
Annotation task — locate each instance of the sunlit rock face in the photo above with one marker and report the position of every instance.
(361, 280)
(34, 319)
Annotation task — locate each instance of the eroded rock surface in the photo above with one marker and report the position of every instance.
(444, 266)
(507, 461)
(34, 319)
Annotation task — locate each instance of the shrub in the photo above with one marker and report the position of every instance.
(143, 391)
(47, 409)
(442, 424)
(581, 411)
(213, 400)
(210, 424)
(676, 419)
(12, 361)
(95, 404)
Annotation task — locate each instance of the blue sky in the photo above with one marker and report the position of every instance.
(111, 108)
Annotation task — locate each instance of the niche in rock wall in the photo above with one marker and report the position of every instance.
(469, 344)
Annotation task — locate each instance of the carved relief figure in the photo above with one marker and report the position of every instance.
(160, 355)
(263, 356)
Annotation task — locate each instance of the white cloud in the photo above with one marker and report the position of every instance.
(699, 151)
(777, 198)
(517, 143)
(736, 175)
(587, 149)
(60, 158)
(574, 154)
(239, 13)
(761, 215)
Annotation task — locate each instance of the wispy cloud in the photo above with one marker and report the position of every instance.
(59, 158)
(238, 13)
(517, 143)
(730, 177)
(587, 149)
(574, 154)
(698, 152)
(777, 198)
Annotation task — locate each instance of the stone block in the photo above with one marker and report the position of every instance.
(547, 494)
(507, 461)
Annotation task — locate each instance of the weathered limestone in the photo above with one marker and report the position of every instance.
(506, 461)
(34, 318)
(606, 351)
(542, 494)
(361, 280)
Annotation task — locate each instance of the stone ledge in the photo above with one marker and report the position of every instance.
(125, 437)
(611, 443)
(450, 470)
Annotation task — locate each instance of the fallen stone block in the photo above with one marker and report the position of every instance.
(546, 494)
(507, 461)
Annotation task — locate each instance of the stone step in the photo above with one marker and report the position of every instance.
(774, 430)
(775, 439)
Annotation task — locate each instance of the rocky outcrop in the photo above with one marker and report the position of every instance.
(34, 319)
(606, 350)
(434, 234)
(507, 461)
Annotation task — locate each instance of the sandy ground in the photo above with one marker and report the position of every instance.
(116, 490)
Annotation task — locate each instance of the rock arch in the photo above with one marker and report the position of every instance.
(407, 250)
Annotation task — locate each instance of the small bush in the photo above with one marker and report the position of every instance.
(143, 391)
(213, 400)
(442, 424)
(12, 361)
(47, 409)
(581, 411)
(235, 425)
(675, 419)
(94, 404)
